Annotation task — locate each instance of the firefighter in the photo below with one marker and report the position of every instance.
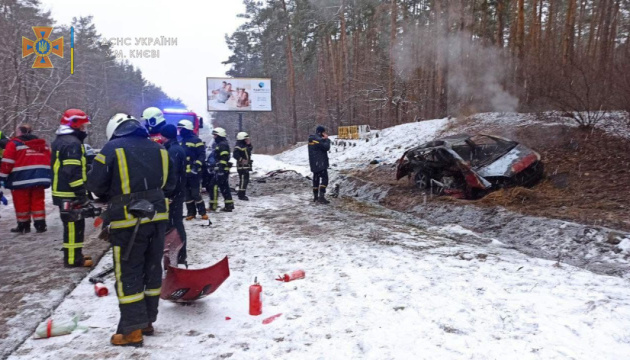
(69, 167)
(133, 172)
(154, 121)
(195, 155)
(318, 147)
(243, 156)
(219, 162)
(177, 155)
(25, 170)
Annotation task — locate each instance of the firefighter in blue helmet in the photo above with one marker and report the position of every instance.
(134, 174)
(195, 155)
(219, 165)
(318, 147)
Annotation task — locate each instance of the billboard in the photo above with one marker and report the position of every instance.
(238, 94)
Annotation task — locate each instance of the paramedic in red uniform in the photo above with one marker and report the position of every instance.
(25, 170)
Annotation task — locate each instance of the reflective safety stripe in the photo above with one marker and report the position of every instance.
(199, 144)
(229, 201)
(188, 169)
(118, 272)
(83, 164)
(64, 194)
(71, 162)
(215, 198)
(131, 298)
(122, 224)
(56, 174)
(223, 162)
(164, 154)
(31, 181)
(152, 292)
(224, 153)
(10, 161)
(123, 171)
(71, 244)
(189, 144)
(76, 183)
(198, 162)
(100, 158)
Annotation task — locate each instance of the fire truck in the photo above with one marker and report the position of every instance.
(173, 116)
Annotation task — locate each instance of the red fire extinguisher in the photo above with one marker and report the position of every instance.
(255, 298)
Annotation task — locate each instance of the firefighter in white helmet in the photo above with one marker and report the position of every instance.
(243, 156)
(195, 155)
(135, 174)
(219, 168)
(154, 121)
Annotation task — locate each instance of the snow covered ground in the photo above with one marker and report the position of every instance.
(376, 286)
(33, 280)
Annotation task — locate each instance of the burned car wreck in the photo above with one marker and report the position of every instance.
(469, 167)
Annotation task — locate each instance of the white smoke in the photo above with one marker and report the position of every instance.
(476, 72)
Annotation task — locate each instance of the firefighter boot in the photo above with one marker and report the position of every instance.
(322, 198)
(149, 330)
(191, 210)
(243, 197)
(22, 228)
(132, 339)
(228, 207)
(87, 262)
(204, 217)
(315, 195)
(40, 226)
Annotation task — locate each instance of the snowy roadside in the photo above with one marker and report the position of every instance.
(375, 288)
(33, 280)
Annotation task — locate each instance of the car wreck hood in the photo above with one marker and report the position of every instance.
(505, 165)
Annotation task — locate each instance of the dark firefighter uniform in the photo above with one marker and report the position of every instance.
(131, 168)
(177, 154)
(69, 167)
(243, 156)
(221, 179)
(195, 155)
(318, 148)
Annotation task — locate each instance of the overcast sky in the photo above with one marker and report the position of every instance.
(199, 26)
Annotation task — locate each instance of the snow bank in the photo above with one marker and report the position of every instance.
(385, 145)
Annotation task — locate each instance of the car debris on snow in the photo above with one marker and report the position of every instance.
(470, 166)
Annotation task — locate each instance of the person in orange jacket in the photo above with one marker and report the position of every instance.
(25, 170)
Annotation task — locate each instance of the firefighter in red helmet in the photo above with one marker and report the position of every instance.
(69, 176)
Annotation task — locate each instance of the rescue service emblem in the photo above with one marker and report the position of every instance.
(42, 47)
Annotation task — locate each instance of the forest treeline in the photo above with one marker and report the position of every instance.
(387, 62)
(100, 85)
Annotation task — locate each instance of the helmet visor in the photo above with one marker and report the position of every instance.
(152, 122)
